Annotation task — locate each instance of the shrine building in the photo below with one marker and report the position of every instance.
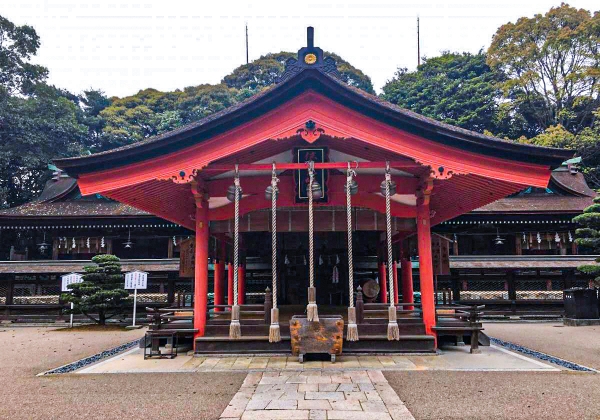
(314, 175)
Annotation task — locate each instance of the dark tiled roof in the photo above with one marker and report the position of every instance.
(572, 183)
(77, 208)
(303, 81)
(537, 204)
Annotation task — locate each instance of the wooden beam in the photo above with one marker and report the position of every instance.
(318, 165)
(335, 183)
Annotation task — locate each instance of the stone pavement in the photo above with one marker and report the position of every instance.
(452, 358)
(316, 394)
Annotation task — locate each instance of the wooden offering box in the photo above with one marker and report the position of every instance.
(325, 336)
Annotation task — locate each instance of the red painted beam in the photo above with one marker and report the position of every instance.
(258, 202)
(201, 269)
(230, 284)
(407, 282)
(241, 285)
(335, 183)
(426, 267)
(318, 165)
(219, 283)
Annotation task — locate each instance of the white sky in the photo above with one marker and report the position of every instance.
(124, 46)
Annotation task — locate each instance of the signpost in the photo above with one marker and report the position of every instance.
(66, 280)
(136, 280)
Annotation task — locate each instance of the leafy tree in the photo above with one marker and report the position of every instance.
(33, 131)
(91, 102)
(265, 71)
(588, 237)
(17, 45)
(101, 295)
(458, 89)
(551, 63)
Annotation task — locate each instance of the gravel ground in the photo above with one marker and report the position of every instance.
(512, 395)
(576, 344)
(498, 395)
(29, 351)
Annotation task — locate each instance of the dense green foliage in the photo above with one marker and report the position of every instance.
(588, 237)
(538, 83)
(150, 112)
(101, 295)
(458, 89)
(551, 63)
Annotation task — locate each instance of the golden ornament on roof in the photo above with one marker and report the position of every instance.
(310, 59)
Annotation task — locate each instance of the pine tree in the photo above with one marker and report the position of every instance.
(101, 295)
(588, 237)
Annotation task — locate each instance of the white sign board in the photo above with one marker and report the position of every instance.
(136, 280)
(68, 279)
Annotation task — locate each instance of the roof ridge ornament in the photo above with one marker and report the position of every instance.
(309, 57)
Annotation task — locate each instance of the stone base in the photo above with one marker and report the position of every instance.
(571, 322)
(134, 327)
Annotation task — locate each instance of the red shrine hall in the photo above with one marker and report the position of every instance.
(311, 175)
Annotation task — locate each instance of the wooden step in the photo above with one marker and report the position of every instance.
(259, 344)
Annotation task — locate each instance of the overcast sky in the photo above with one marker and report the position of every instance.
(124, 46)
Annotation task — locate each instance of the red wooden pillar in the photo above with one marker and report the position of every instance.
(425, 260)
(201, 264)
(241, 285)
(219, 284)
(230, 284)
(383, 282)
(407, 282)
(395, 266)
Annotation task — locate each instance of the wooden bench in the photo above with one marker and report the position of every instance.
(463, 320)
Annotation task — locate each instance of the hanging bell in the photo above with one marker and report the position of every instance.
(354, 187)
(269, 192)
(231, 193)
(317, 191)
(392, 187)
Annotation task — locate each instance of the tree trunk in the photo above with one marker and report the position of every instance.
(101, 318)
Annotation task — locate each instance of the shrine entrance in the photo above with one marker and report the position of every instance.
(315, 159)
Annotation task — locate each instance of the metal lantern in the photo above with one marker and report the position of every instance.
(317, 191)
(43, 246)
(128, 244)
(392, 187)
(231, 193)
(269, 192)
(354, 187)
(498, 240)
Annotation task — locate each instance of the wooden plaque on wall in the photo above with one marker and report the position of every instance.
(187, 257)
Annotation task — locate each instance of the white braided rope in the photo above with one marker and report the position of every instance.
(236, 231)
(349, 220)
(311, 242)
(274, 181)
(388, 221)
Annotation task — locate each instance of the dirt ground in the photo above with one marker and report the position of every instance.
(27, 351)
(576, 344)
(512, 395)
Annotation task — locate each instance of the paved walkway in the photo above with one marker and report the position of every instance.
(316, 394)
(452, 358)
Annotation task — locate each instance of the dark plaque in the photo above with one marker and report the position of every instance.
(303, 155)
(187, 257)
